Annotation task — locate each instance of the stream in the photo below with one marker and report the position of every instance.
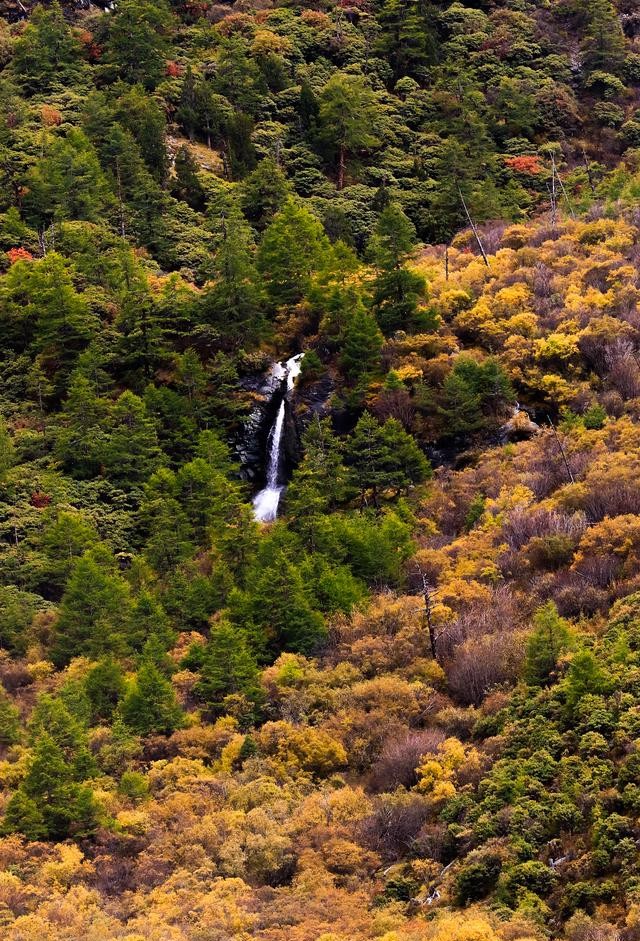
(266, 502)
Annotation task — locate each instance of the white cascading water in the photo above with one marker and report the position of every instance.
(265, 503)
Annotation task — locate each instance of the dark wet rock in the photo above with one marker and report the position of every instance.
(314, 398)
(519, 427)
(268, 389)
(252, 440)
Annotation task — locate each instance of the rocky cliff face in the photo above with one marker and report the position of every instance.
(308, 399)
(251, 441)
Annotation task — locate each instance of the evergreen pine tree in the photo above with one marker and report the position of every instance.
(170, 538)
(105, 686)
(369, 457)
(47, 53)
(137, 44)
(44, 312)
(234, 303)
(228, 668)
(7, 450)
(187, 110)
(406, 38)
(131, 452)
(383, 457)
(52, 802)
(23, 815)
(67, 807)
(319, 484)
(361, 345)
(146, 120)
(9, 720)
(551, 636)
(67, 183)
(80, 440)
(604, 45)
(292, 250)
(348, 117)
(53, 716)
(461, 406)
(150, 704)
(585, 677)
(397, 291)
(186, 185)
(95, 611)
(276, 609)
(408, 463)
(264, 191)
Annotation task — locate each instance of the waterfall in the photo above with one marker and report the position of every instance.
(265, 503)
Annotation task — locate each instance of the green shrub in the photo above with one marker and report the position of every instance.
(477, 879)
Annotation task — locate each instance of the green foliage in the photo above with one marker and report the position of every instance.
(227, 668)
(17, 611)
(320, 483)
(473, 395)
(550, 637)
(594, 417)
(187, 185)
(52, 802)
(81, 437)
(374, 547)
(150, 704)
(406, 39)
(65, 807)
(277, 609)
(397, 291)
(133, 785)
(234, 304)
(361, 345)
(585, 677)
(64, 539)
(264, 191)
(131, 452)
(604, 45)
(531, 876)
(9, 720)
(292, 250)
(137, 45)
(475, 511)
(46, 54)
(7, 450)
(187, 196)
(67, 183)
(44, 313)
(104, 685)
(477, 879)
(348, 115)
(95, 611)
(383, 457)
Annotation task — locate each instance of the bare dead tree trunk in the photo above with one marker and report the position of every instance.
(562, 189)
(428, 595)
(474, 229)
(341, 168)
(123, 224)
(587, 167)
(554, 199)
(562, 451)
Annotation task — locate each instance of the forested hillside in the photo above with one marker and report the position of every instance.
(319, 470)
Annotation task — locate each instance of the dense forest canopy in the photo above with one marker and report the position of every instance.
(408, 707)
